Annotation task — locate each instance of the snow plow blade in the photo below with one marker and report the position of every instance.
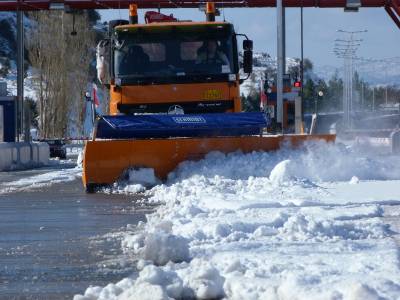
(106, 160)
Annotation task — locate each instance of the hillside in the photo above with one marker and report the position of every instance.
(7, 41)
(262, 62)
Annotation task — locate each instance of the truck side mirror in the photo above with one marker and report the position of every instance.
(248, 45)
(248, 61)
(102, 61)
(248, 56)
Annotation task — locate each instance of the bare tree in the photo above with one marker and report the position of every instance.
(61, 62)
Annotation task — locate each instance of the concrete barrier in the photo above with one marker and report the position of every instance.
(395, 138)
(17, 156)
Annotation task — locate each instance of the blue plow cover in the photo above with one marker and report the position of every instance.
(193, 125)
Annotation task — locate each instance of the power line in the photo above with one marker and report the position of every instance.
(347, 50)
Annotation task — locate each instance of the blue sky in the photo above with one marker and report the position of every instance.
(381, 41)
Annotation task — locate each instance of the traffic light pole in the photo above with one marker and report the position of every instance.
(302, 64)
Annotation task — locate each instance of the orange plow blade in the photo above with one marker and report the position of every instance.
(106, 160)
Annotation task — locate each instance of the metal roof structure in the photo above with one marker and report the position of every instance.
(391, 6)
(115, 4)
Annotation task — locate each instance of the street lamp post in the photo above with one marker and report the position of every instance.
(373, 99)
(319, 97)
(362, 96)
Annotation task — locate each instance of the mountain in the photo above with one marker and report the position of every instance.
(8, 53)
(374, 72)
(8, 49)
(262, 62)
(380, 72)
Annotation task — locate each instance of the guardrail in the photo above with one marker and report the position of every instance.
(395, 141)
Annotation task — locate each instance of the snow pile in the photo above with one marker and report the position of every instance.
(134, 181)
(354, 180)
(159, 246)
(143, 176)
(292, 224)
(317, 161)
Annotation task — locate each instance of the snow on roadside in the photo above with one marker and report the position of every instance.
(52, 176)
(292, 224)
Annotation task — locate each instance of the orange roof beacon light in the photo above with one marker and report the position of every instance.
(133, 15)
(210, 11)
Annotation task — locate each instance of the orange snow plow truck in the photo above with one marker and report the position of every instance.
(174, 96)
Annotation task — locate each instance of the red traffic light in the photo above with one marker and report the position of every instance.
(297, 84)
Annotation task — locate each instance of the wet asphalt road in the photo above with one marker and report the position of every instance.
(55, 240)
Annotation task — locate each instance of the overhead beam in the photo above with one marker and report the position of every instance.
(27, 5)
(396, 7)
(392, 14)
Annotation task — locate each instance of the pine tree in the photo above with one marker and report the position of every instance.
(309, 95)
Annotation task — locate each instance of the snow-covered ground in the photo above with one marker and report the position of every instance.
(293, 224)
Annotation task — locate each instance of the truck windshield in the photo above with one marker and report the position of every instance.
(174, 53)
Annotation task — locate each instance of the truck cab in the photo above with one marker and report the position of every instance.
(182, 67)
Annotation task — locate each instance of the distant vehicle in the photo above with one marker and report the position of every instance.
(57, 148)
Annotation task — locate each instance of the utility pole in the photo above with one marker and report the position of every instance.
(386, 96)
(386, 88)
(347, 50)
(302, 63)
(284, 38)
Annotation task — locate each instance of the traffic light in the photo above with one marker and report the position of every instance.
(297, 84)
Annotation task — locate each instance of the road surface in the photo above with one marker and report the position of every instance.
(56, 240)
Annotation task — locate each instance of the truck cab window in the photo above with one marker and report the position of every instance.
(186, 52)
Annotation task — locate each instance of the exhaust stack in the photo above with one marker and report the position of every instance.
(210, 11)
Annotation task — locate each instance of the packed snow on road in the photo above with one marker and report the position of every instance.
(293, 224)
(56, 172)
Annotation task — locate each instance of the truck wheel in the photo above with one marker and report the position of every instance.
(90, 188)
